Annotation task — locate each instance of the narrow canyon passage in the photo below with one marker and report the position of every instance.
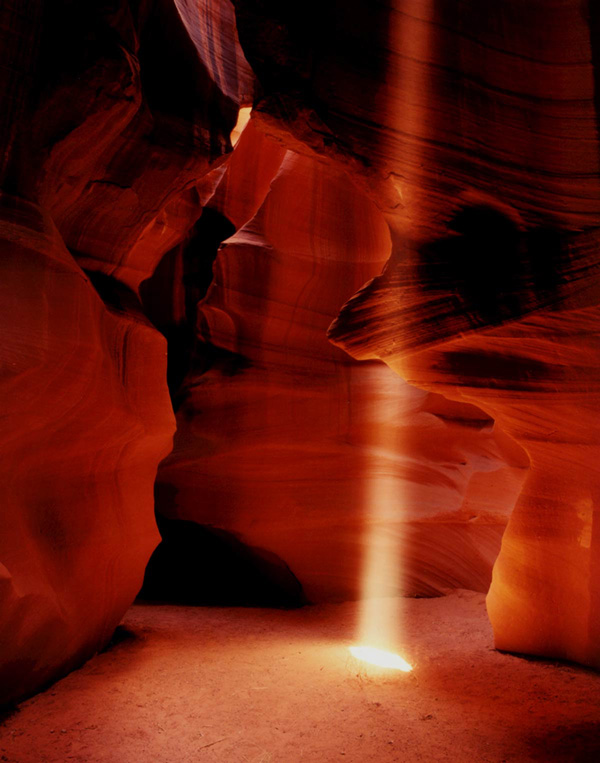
(265, 686)
(299, 352)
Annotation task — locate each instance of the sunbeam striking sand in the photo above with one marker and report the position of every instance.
(380, 657)
(212, 685)
(380, 624)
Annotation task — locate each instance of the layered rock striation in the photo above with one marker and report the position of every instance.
(415, 199)
(86, 419)
(501, 309)
(285, 440)
(110, 121)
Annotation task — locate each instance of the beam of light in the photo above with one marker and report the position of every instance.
(411, 102)
(380, 606)
(413, 75)
(380, 657)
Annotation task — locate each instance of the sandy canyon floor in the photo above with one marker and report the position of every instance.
(251, 686)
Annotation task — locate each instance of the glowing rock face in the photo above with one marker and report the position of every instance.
(83, 400)
(240, 125)
(124, 150)
(488, 174)
(100, 172)
(381, 658)
(293, 445)
(114, 124)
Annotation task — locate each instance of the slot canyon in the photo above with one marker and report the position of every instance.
(300, 363)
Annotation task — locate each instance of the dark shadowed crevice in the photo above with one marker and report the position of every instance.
(593, 13)
(187, 271)
(123, 636)
(115, 294)
(168, 79)
(497, 271)
(19, 55)
(201, 565)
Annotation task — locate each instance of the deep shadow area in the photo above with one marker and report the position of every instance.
(7, 713)
(200, 565)
(116, 295)
(577, 743)
(122, 635)
(551, 663)
(173, 307)
(498, 271)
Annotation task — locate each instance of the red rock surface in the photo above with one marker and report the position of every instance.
(126, 138)
(110, 120)
(539, 378)
(428, 99)
(449, 106)
(502, 309)
(295, 447)
(422, 176)
(85, 422)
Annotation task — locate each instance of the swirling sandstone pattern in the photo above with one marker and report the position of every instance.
(300, 450)
(86, 420)
(126, 135)
(501, 309)
(110, 122)
(420, 182)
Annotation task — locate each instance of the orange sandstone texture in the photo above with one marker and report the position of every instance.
(286, 441)
(127, 127)
(426, 100)
(86, 420)
(111, 121)
(538, 377)
(475, 130)
(432, 165)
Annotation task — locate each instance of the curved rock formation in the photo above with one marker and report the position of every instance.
(86, 421)
(127, 129)
(285, 440)
(111, 122)
(539, 378)
(426, 99)
(475, 130)
(422, 173)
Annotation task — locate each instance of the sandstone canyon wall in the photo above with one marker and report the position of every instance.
(105, 142)
(285, 440)
(497, 143)
(415, 198)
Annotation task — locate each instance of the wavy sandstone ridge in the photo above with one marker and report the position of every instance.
(86, 421)
(286, 441)
(502, 310)
(417, 192)
(111, 121)
(127, 133)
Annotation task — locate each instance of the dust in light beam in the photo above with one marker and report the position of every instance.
(380, 606)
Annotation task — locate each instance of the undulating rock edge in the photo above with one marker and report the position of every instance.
(382, 301)
(112, 121)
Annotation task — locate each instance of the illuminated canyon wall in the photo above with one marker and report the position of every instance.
(285, 440)
(106, 143)
(380, 308)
